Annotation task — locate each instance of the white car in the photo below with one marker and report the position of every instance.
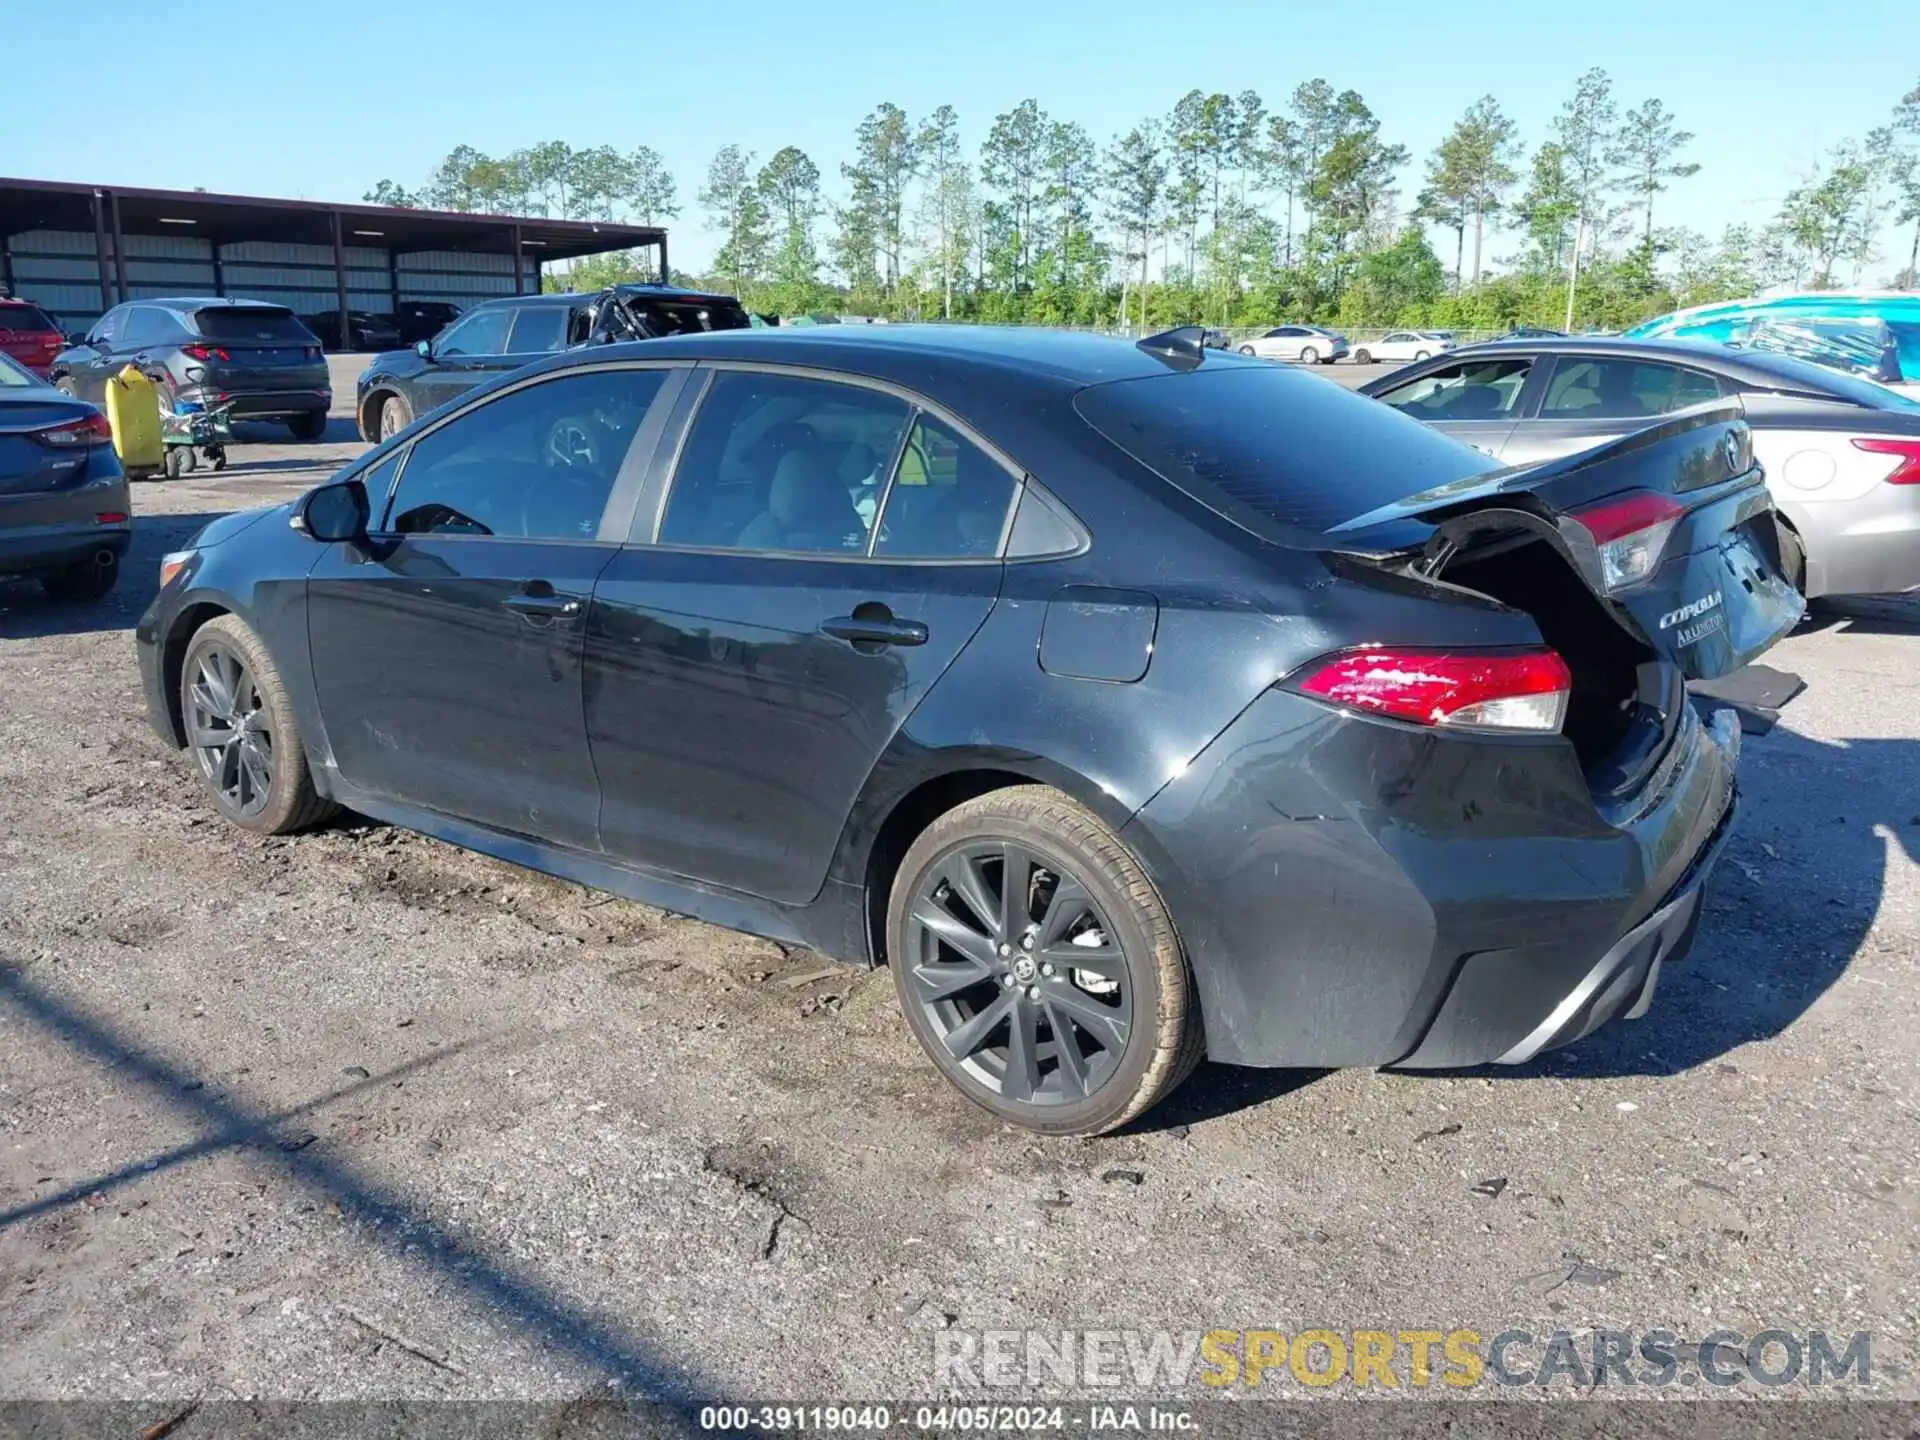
(1402, 346)
(1308, 344)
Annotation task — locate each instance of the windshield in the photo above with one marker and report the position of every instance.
(687, 317)
(1285, 455)
(258, 323)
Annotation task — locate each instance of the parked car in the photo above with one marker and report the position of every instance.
(1841, 454)
(1401, 346)
(365, 330)
(65, 517)
(423, 319)
(1307, 344)
(1736, 322)
(1074, 735)
(257, 358)
(1534, 332)
(28, 335)
(497, 336)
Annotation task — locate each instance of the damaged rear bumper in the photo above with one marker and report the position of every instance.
(1474, 906)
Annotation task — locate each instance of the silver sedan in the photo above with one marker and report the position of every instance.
(1842, 454)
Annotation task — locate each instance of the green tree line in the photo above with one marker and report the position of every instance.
(1230, 211)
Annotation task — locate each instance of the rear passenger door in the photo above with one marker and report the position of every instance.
(820, 554)
(1587, 400)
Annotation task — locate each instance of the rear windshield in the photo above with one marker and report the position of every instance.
(1283, 454)
(24, 320)
(261, 323)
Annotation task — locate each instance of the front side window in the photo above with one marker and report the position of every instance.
(948, 500)
(783, 462)
(484, 332)
(107, 327)
(537, 463)
(538, 329)
(1623, 390)
(1469, 390)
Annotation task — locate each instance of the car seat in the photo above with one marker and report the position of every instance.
(807, 509)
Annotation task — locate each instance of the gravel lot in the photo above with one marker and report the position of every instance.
(359, 1115)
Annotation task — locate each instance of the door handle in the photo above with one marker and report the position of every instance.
(539, 601)
(873, 626)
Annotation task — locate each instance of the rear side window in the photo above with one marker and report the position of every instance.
(784, 462)
(146, 325)
(261, 323)
(1279, 452)
(538, 329)
(948, 500)
(24, 320)
(1470, 390)
(1623, 390)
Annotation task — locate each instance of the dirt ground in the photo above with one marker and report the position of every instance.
(355, 1114)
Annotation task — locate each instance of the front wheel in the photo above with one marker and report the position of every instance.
(1038, 967)
(1363, 357)
(1246, 350)
(243, 734)
(310, 426)
(395, 416)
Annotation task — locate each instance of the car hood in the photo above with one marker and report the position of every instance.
(390, 362)
(226, 527)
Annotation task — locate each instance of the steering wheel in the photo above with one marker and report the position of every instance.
(575, 442)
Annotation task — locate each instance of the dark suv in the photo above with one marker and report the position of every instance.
(501, 335)
(255, 357)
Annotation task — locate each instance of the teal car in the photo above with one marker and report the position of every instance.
(1870, 332)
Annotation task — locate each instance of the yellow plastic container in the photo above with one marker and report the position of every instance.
(133, 412)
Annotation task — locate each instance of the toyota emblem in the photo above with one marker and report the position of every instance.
(1733, 452)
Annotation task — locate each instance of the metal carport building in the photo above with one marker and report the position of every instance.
(79, 250)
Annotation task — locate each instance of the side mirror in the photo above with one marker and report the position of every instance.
(423, 348)
(334, 513)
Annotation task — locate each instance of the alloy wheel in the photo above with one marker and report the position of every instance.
(1019, 974)
(229, 730)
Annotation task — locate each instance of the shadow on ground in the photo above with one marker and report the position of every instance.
(226, 1121)
(26, 611)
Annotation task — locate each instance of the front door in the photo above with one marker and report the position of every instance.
(745, 673)
(472, 350)
(447, 650)
(1476, 401)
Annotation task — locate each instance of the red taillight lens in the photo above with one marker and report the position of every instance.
(1631, 531)
(110, 517)
(1518, 690)
(204, 353)
(93, 430)
(313, 352)
(1907, 472)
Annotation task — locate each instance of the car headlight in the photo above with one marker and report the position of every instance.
(172, 564)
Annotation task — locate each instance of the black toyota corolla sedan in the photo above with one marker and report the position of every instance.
(1131, 703)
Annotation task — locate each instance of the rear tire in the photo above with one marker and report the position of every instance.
(242, 732)
(1420, 355)
(82, 581)
(310, 426)
(1309, 355)
(1083, 956)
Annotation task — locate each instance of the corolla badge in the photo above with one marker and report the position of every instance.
(1732, 446)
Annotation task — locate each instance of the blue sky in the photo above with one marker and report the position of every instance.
(320, 101)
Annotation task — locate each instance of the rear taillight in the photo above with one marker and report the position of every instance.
(93, 430)
(204, 353)
(312, 352)
(1907, 472)
(1517, 690)
(1631, 531)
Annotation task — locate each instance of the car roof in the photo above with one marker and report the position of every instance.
(673, 292)
(915, 355)
(1752, 364)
